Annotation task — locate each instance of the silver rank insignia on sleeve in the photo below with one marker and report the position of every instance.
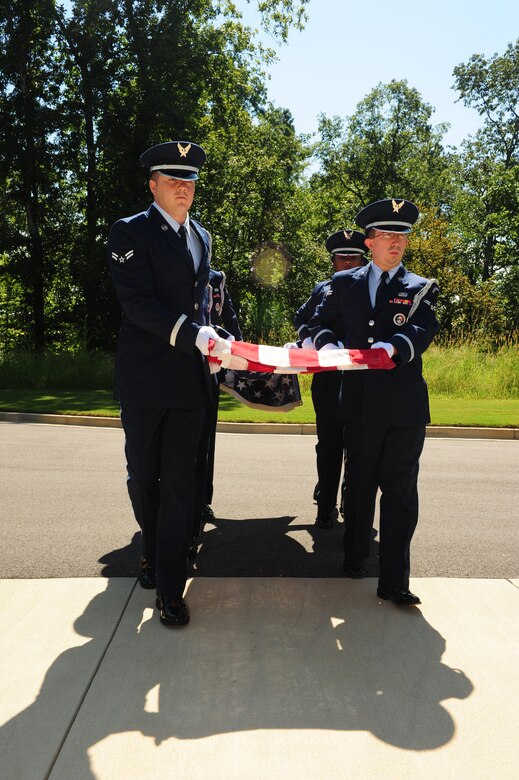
(121, 259)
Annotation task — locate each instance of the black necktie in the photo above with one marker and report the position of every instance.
(182, 234)
(379, 297)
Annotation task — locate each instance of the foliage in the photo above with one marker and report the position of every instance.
(88, 89)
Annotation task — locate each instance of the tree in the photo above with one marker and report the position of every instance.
(486, 208)
(388, 147)
(29, 167)
(88, 89)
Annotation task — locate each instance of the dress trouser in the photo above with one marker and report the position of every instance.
(205, 459)
(209, 474)
(385, 457)
(161, 446)
(329, 447)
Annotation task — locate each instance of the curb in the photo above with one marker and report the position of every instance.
(301, 429)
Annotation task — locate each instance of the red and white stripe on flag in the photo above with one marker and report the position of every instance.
(244, 356)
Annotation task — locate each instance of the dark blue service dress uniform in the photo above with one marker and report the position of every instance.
(220, 311)
(384, 412)
(325, 399)
(162, 381)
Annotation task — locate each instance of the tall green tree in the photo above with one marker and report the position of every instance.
(388, 147)
(30, 166)
(486, 209)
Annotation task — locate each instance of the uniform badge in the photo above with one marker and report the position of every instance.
(184, 150)
(399, 319)
(397, 206)
(121, 259)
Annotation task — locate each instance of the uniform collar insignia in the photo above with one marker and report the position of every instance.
(184, 151)
(397, 206)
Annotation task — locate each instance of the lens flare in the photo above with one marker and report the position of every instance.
(270, 264)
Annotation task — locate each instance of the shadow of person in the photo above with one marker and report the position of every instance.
(260, 653)
(310, 654)
(123, 562)
(31, 739)
(273, 547)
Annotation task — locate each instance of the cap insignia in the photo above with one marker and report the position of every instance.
(184, 151)
(397, 206)
(348, 234)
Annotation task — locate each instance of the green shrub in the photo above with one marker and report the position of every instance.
(23, 369)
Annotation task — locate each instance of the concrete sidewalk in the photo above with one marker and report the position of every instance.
(274, 678)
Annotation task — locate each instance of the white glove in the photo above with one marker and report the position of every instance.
(308, 343)
(327, 347)
(205, 333)
(221, 348)
(384, 345)
(290, 345)
(234, 362)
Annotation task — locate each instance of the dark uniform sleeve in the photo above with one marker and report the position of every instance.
(135, 288)
(221, 308)
(414, 337)
(305, 312)
(326, 318)
(229, 316)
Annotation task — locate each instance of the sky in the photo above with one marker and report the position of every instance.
(347, 48)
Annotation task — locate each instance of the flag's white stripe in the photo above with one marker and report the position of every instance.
(334, 357)
(273, 356)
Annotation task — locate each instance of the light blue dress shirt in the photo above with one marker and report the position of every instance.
(374, 279)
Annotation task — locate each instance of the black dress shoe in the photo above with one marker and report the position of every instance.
(354, 570)
(173, 610)
(403, 597)
(147, 578)
(326, 520)
(316, 492)
(192, 551)
(207, 512)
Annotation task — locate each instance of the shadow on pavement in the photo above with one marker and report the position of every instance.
(260, 653)
(273, 547)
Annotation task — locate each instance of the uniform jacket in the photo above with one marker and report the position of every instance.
(221, 309)
(399, 396)
(162, 298)
(307, 310)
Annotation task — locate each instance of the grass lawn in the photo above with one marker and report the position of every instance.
(498, 413)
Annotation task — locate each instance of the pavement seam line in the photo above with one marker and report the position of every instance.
(89, 685)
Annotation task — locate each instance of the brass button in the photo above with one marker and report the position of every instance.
(371, 323)
(196, 309)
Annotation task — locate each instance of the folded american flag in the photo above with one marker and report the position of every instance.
(243, 356)
(263, 389)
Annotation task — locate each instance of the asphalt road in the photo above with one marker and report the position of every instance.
(65, 512)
